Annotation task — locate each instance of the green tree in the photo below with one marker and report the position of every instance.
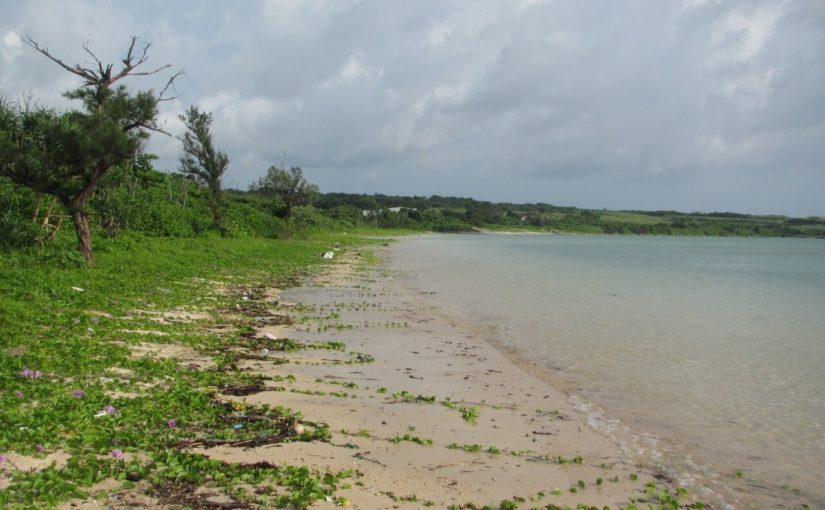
(287, 187)
(67, 154)
(202, 161)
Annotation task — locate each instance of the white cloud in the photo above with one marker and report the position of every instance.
(694, 4)
(353, 70)
(12, 46)
(439, 33)
(526, 4)
(740, 35)
(233, 112)
(750, 91)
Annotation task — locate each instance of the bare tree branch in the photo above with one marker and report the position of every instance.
(94, 58)
(128, 58)
(170, 83)
(103, 76)
(87, 75)
(150, 127)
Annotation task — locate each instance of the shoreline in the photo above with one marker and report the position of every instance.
(357, 387)
(441, 418)
(710, 478)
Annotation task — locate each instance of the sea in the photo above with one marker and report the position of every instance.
(701, 357)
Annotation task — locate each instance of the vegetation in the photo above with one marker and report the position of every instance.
(68, 155)
(287, 188)
(68, 388)
(202, 161)
(452, 214)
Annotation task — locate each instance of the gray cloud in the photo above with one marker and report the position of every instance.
(699, 105)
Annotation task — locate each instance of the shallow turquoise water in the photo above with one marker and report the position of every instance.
(702, 355)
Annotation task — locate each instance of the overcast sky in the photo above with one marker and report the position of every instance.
(697, 105)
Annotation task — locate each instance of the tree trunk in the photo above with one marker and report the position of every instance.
(36, 212)
(48, 212)
(84, 235)
(77, 208)
(56, 228)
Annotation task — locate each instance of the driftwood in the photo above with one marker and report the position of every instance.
(241, 390)
(242, 443)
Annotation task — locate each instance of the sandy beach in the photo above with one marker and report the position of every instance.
(439, 418)
(422, 409)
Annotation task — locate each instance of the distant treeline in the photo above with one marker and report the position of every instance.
(440, 213)
(138, 198)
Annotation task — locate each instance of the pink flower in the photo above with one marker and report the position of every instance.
(172, 424)
(117, 453)
(18, 394)
(78, 393)
(40, 448)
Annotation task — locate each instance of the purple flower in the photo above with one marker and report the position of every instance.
(26, 373)
(108, 409)
(78, 393)
(117, 453)
(172, 424)
(40, 448)
(18, 394)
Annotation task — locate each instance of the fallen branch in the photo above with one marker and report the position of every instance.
(242, 443)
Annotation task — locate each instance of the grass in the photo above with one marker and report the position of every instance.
(65, 362)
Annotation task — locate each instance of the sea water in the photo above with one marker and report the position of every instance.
(703, 357)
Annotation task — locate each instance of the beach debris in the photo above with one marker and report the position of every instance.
(241, 390)
(297, 428)
(270, 336)
(328, 255)
(78, 289)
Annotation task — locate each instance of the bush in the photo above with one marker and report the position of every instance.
(16, 227)
(244, 219)
(17, 231)
(153, 203)
(304, 217)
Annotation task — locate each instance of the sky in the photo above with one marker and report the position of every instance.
(694, 105)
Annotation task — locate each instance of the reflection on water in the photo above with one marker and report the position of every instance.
(710, 350)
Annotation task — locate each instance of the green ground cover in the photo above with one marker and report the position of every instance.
(72, 387)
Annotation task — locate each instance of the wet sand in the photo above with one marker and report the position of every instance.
(526, 442)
